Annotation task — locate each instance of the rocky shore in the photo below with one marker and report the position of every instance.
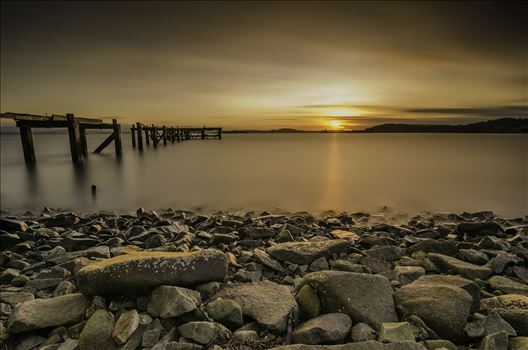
(179, 280)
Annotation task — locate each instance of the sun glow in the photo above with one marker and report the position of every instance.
(335, 123)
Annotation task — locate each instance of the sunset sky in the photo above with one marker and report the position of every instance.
(240, 65)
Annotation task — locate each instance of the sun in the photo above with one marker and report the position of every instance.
(335, 123)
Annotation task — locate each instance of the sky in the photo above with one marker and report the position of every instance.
(266, 65)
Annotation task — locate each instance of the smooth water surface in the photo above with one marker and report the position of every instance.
(314, 172)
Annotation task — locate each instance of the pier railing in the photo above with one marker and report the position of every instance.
(77, 133)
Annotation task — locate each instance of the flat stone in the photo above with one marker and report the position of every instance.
(14, 298)
(305, 252)
(408, 274)
(396, 332)
(364, 297)
(444, 308)
(454, 266)
(362, 332)
(366, 345)
(507, 286)
(327, 328)
(492, 323)
(97, 332)
(147, 270)
(226, 312)
(125, 326)
(204, 332)
(476, 229)
(170, 301)
(43, 313)
(30, 342)
(446, 247)
(263, 257)
(267, 303)
(342, 234)
(11, 225)
(474, 256)
(61, 220)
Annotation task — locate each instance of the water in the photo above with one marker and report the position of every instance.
(407, 172)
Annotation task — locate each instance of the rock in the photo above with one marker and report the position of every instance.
(474, 256)
(452, 265)
(440, 344)
(502, 261)
(14, 298)
(257, 232)
(30, 342)
(444, 308)
(11, 225)
(327, 328)
(8, 275)
(396, 332)
(43, 313)
(367, 345)
(476, 229)
(204, 332)
(8, 240)
(267, 303)
(208, 289)
(64, 288)
(97, 332)
(469, 286)
(447, 247)
(262, 257)
(364, 297)
(145, 270)
(245, 336)
(518, 343)
(77, 243)
(386, 253)
(170, 301)
(513, 308)
(226, 312)
(305, 252)
(492, 323)
(150, 337)
(61, 220)
(495, 341)
(308, 302)
(507, 286)
(362, 332)
(319, 264)
(407, 274)
(341, 234)
(125, 326)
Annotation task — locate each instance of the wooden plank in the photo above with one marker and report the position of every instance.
(53, 117)
(27, 145)
(74, 134)
(117, 138)
(133, 132)
(95, 126)
(105, 143)
(154, 136)
(139, 136)
(84, 143)
(42, 124)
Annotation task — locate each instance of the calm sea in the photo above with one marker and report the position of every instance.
(406, 172)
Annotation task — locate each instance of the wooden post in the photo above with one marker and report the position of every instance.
(154, 135)
(147, 136)
(139, 136)
(164, 135)
(219, 133)
(74, 134)
(177, 134)
(27, 145)
(117, 138)
(84, 143)
(203, 133)
(172, 134)
(133, 132)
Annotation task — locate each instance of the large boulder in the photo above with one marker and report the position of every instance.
(443, 307)
(364, 297)
(267, 303)
(141, 271)
(306, 252)
(454, 266)
(327, 328)
(44, 313)
(513, 308)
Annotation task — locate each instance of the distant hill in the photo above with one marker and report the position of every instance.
(503, 125)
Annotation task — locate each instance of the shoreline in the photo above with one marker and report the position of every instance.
(175, 279)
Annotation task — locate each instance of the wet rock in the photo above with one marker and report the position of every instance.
(443, 308)
(170, 301)
(125, 326)
(267, 303)
(144, 270)
(396, 332)
(452, 265)
(364, 297)
(204, 332)
(97, 332)
(327, 328)
(306, 252)
(43, 313)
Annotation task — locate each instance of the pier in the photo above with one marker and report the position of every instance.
(77, 133)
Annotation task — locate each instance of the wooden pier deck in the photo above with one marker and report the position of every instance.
(77, 133)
